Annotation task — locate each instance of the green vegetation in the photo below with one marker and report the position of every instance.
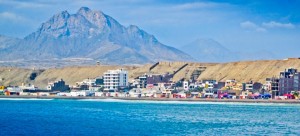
(296, 94)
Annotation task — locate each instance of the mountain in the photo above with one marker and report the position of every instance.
(94, 35)
(258, 55)
(208, 50)
(6, 42)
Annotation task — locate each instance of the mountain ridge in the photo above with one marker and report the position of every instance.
(209, 50)
(92, 34)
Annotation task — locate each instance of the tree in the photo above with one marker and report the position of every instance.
(296, 94)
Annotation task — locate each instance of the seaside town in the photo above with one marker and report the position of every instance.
(115, 83)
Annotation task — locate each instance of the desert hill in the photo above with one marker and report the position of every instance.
(249, 70)
(241, 71)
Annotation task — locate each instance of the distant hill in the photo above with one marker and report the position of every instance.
(209, 50)
(244, 71)
(89, 34)
(6, 42)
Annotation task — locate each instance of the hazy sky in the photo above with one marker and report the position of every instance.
(240, 25)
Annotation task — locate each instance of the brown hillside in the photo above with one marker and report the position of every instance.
(14, 76)
(241, 71)
(249, 70)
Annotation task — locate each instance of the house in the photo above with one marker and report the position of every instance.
(82, 93)
(28, 87)
(267, 85)
(64, 94)
(136, 92)
(230, 82)
(99, 94)
(245, 94)
(13, 90)
(180, 94)
(210, 84)
(78, 93)
(153, 80)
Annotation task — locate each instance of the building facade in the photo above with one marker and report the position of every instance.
(115, 79)
(143, 81)
(58, 86)
(288, 81)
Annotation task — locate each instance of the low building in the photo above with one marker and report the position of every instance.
(28, 87)
(64, 94)
(230, 83)
(78, 93)
(13, 90)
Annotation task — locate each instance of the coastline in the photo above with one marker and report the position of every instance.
(293, 101)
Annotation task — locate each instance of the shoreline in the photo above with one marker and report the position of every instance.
(292, 101)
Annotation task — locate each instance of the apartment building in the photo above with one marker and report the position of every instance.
(115, 79)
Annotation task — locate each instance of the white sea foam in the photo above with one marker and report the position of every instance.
(104, 100)
(25, 99)
(191, 102)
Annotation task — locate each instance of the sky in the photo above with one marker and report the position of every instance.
(240, 25)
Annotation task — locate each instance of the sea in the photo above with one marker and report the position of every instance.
(53, 117)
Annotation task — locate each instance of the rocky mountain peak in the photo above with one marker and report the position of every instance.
(62, 15)
(84, 9)
(95, 35)
(97, 18)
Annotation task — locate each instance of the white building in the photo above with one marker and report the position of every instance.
(209, 84)
(113, 79)
(249, 86)
(185, 85)
(88, 82)
(28, 86)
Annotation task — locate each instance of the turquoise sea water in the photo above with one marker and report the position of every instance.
(117, 117)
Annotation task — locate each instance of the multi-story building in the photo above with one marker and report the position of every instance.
(267, 86)
(143, 81)
(289, 81)
(210, 84)
(274, 86)
(185, 85)
(115, 79)
(58, 86)
(248, 86)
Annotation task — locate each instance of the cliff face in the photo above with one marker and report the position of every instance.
(256, 71)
